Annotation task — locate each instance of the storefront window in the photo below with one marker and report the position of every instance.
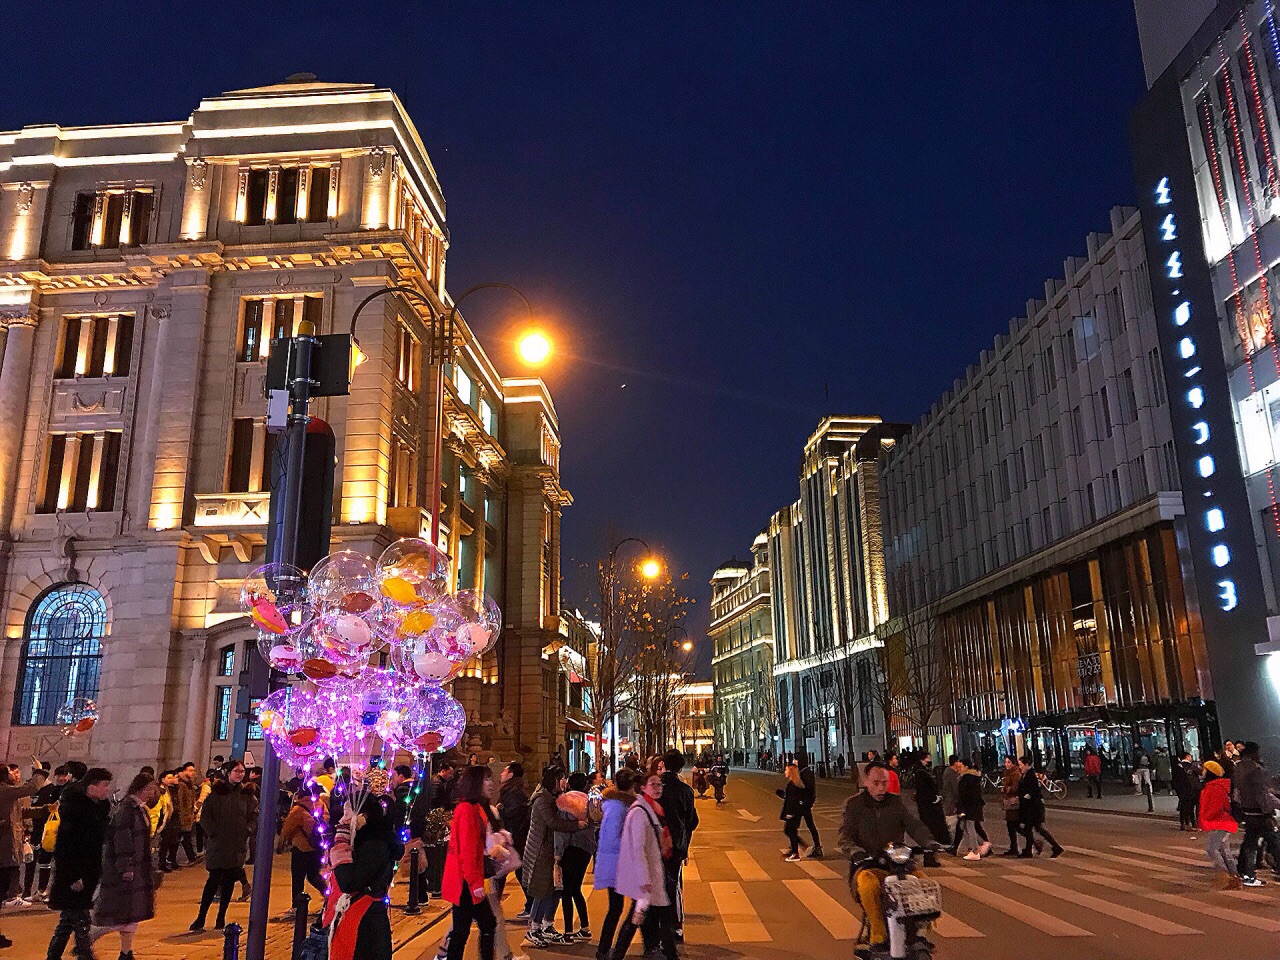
(1260, 428)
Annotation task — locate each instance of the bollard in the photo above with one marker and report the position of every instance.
(231, 942)
(301, 917)
(413, 909)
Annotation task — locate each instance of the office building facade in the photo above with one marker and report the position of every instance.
(741, 635)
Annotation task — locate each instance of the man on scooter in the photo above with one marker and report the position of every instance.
(874, 819)
(719, 776)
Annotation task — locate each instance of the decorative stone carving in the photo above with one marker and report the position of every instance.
(284, 280)
(199, 173)
(377, 161)
(26, 197)
(100, 298)
(160, 311)
(18, 315)
(88, 402)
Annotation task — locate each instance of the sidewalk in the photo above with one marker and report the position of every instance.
(1119, 799)
(167, 938)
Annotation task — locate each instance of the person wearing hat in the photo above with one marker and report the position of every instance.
(1218, 824)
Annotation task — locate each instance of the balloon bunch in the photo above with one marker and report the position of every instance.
(77, 716)
(375, 640)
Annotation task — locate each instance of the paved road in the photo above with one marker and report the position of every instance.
(1127, 889)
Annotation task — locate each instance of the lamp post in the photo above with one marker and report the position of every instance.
(441, 351)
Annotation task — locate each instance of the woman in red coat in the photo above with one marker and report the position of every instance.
(1218, 824)
(464, 882)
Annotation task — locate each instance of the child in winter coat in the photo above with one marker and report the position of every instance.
(1218, 824)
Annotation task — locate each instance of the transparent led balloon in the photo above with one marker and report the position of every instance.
(275, 598)
(412, 572)
(293, 721)
(77, 716)
(422, 659)
(433, 720)
(345, 582)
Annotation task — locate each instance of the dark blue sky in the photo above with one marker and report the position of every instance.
(751, 203)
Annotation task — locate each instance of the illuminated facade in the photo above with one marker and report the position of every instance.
(827, 593)
(741, 634)
(144, 269)
(1034, 515)
(693, 733)
(1208, 174)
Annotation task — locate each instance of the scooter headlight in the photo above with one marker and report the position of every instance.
(897, 854)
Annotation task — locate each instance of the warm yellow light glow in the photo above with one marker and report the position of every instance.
(534, 348)
(687, 646)
(650, 569)
(357, 355)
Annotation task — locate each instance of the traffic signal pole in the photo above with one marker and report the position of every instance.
(300, 386)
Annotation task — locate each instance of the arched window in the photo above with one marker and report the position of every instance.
(61, 653)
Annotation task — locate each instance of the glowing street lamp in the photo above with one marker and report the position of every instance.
(687, 646)
(534, 348)
(650, 569)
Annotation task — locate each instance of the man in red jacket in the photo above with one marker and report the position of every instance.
(1093, 772)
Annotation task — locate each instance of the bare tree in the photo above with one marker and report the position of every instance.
(657, 613)
(615, 655)
(915, 669)
(839, 665)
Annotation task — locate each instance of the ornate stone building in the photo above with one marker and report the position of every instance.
(144, 269)
(741, 634)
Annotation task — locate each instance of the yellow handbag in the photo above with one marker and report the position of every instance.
(50, 835)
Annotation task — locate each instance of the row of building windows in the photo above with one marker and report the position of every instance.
(298, 194)
(112, 218)
(95, 346)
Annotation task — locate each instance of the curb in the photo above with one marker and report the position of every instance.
(1132, 814)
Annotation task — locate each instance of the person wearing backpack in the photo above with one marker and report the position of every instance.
(300, 835)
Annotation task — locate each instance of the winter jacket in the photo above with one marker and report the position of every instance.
(616, 804)
(126, 850)
(1030, 800)
(1185, 783)
(926, 788)
(1251, 788)
(639, 871)
(41, 806)
(793, 802)
(810, 787)
(585, 838)
(299, 829)
(184, 803)
(719, 773)
(950, 782)
(682, 816)
(11, 825)
(1093, 765)
(895, 784)
(464, 865)
(969, 800)
(1009, 792)
(225, 818)
(77, 856)
(513, 809)
(868, 826)
(538, 874)
(1215, 806)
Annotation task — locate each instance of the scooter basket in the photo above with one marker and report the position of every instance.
(914, 896)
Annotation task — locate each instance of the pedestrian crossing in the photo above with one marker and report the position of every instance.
(737, 896)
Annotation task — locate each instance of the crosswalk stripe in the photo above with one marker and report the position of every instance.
(1251, 896)
(1135, 917)
(746, 865)
(1044, 922)
(952, 929)
(819, 871)
(957, 871)
(840, 923)
(1188, 904)
(1197, 862)
(1030, 871)
(691, 872)
(741, 922)
(1143, 865)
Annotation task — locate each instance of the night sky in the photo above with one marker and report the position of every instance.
(738, 217)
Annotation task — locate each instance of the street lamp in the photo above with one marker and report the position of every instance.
(608, 629)
(534, 348)
(650, 569)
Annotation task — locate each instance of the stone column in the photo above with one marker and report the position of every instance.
(15, 388)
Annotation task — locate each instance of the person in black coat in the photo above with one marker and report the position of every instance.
(363, 929)
(928, 802)
(1031, 809)
(1186, 784)
(810, 796)
(83, 814)
(682, 819)
(793, 808)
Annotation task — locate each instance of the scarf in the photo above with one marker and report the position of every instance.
(664, 838)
